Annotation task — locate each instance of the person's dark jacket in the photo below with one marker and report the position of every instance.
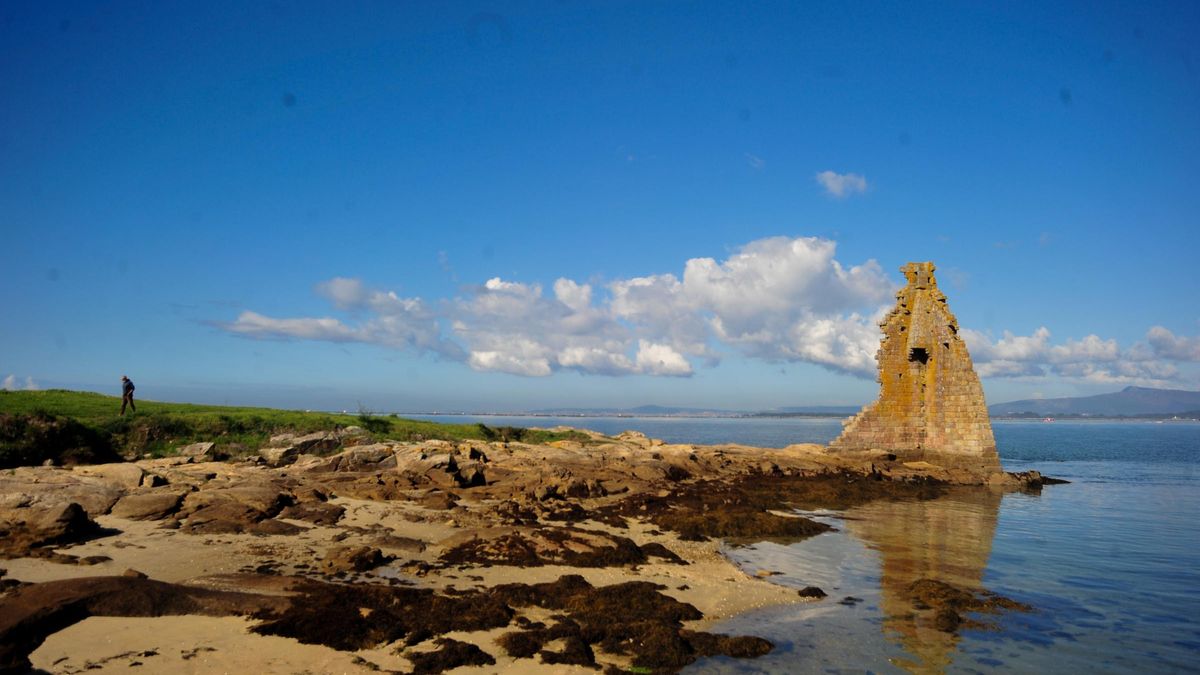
(127, 388)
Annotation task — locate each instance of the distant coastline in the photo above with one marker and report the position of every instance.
(1083, 417)
(621, 415)
(1182, 417)
(1129, 404)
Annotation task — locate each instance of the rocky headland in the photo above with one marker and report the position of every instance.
(335, 551)
(414, 557)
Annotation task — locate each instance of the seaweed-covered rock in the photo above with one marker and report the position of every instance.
(33, 612)
(352, 559)
(449, 654)
(943, 604)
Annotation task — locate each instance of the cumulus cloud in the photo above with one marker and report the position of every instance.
(776, 299)
(781, 299)
(1169, 346)
(13, 383)
(660, 359)
(1092, 358)
(513, 327)
(841, 185)
(787, 299)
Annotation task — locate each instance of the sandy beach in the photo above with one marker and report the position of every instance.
(410, 557)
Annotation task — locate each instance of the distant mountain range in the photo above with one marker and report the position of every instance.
(1129, 402)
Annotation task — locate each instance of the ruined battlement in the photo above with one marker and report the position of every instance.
(931, 406)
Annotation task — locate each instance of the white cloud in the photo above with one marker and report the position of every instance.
(393, 322)
(841, 185)
(775, 299)
(782, 299)
(345, 293)
(597, 360)
(657, 307)
(840, 343)
(13, 383)
(253, 324)
(1091, 359)
(789, 300)
(519, 357)
(659, 359)
(512, 327)
(575, 296)
(779, 299)
(1089, 349)
(1167, 345)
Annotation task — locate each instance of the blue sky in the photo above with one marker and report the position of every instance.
(411, 206)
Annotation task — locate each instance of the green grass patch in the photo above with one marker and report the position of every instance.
(159, 428)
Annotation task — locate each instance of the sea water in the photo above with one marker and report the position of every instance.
(1110, 563)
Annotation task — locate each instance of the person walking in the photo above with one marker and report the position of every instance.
(127, 395)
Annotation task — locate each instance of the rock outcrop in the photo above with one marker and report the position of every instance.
(26, 528)
(931, 407)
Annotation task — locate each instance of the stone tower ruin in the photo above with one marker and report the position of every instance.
(930, 405)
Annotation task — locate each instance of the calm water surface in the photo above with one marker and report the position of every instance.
(768, 432)
(1111, 562)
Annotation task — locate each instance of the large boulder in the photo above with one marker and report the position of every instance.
(471, 474)
(317, 513)
(319, 442)
(635, 438)
(439, 469)
(154, 505)
(25, 528)
(262, 497)
(284, 449)
(374, 457)
(342, 559)
(45, 488)
(233, 509)
(202, 452)
(279, 456)
(120, 475)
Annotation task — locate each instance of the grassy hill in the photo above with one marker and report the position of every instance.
(39, 425)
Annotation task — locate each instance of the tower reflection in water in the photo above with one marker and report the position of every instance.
(948, 539)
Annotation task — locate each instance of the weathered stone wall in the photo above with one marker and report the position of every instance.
(931, 406)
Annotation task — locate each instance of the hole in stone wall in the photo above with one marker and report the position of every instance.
(918, 354)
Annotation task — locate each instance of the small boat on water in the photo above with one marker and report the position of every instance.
(1048, 419)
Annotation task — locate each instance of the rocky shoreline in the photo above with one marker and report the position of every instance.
(328, 549)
